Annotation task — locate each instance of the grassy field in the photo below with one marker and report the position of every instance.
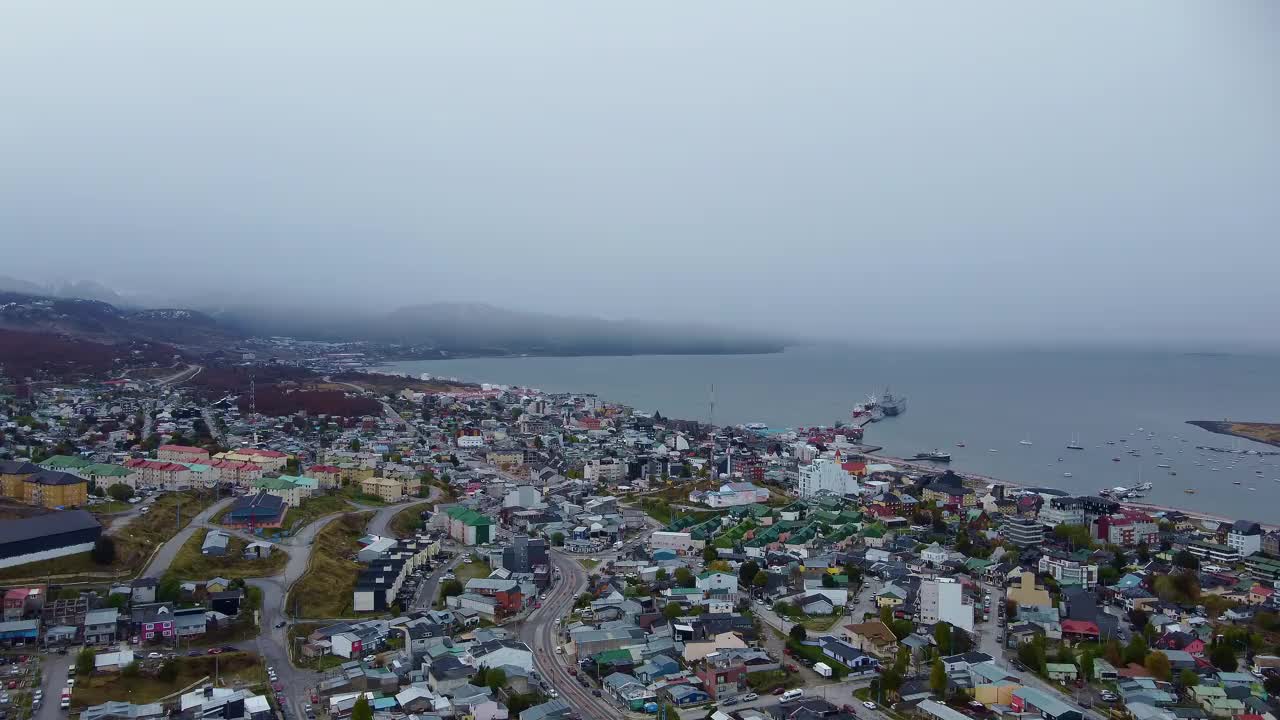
(189, 564)
(589, 563)
(98, 689)
(134, 544)
(313, 508)
(407, 521)
(475, 569)
(325, 590)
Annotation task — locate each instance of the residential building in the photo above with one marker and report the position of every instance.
(1245, 536)
(235, 472)
(1022, 532)
(55, 489)
(1062, 511)
(1128, 527)
(390, 489)
(289, 489)
(942, 600)
(1214, 552)
(100, 626)
(328, 476)
(157, 474)
(825, 476)
(215, 543)
(524, 554)
(1067, 571)
(268, 460)
(872, 637)
(1026, 594)
(182, 454)
(607, 470)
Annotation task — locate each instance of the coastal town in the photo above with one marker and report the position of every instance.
(250, 537)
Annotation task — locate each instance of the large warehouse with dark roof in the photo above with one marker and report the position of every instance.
(47, 536)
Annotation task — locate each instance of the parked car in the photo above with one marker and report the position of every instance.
(215, 651)
(155, 656)
(868, 705)
(749, 697)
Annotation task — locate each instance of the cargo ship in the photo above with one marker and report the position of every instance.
(892, 404)
(934, 455)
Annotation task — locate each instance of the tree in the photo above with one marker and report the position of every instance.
(798, 633)
(131, 670)
(362, 711)
(938, 678)
(709, 554)
(684, 577)
(168, 671)
(1185, 559)
(671, 611)
(1223, 657)
(1086, 666)
(1189, 678)
(557, 539)
(1113, 653)
(1157, 663)
(828, 580)
(104, 550)
(1272, 685)
(747, 573)
(168, 589)
(942, 637)
(661, 575)
(120, 492)
(496, 678)
(1144, 552)
(85, 662)
(449, 588)
(761, 580)
(355, 447)
(1136, 650)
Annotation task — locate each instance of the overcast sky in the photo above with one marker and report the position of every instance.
(1014, 171)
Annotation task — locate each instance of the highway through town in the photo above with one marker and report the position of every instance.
(541, 633)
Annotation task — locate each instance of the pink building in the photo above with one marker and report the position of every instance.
(182, 453)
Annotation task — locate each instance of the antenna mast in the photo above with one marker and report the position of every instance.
(253, 410)
(711, 432)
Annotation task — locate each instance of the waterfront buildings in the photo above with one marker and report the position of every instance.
(825, 476)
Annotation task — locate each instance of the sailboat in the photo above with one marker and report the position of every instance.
(1075, 443)
(1025, 441)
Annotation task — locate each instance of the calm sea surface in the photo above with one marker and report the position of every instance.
(990, 401)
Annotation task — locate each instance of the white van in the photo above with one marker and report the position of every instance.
(791, 694)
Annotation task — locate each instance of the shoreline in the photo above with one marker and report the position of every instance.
(1227, 427)
(976, 480)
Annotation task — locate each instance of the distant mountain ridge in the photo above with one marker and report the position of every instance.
(430, 330)
(102, 321)
(478, 328)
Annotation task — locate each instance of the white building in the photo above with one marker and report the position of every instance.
(942, 600)
(471, 441)
(607, 470)
(1069, 572)
(717, 581)
(1246, 537)
(731, 494)
(681, 542)
(825, 476)
(524, 496)
(935, 555)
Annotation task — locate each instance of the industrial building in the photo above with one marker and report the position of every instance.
(47, 536)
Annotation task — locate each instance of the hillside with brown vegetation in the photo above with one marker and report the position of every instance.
(48, 356)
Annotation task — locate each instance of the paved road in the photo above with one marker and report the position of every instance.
(53, 677)
(541, 633)
(378, 524)
(164, 558)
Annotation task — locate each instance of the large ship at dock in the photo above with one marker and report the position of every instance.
(892, 404)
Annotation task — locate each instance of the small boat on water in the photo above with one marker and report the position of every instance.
(1075, 443)
(992, 450)
(1236, 482)
(1025, 441)
(1115, 459)
(1189, 491)
(1066, 474)
(1164, 465)
(959, 444)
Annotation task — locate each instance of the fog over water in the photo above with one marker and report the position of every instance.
(1044, 174)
